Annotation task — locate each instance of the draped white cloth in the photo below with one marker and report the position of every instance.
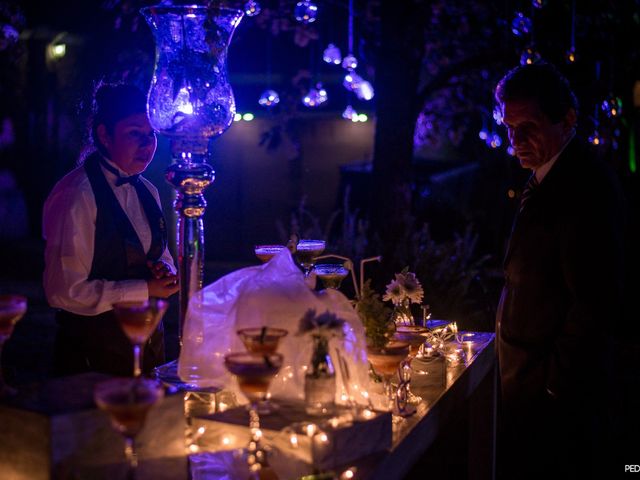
(274, 294)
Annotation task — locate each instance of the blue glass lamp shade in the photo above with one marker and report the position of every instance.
(190, 99)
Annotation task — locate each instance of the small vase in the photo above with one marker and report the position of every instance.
(320, 380)
(402, 313)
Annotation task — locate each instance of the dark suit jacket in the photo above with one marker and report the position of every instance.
(560, 304)
(563, 283)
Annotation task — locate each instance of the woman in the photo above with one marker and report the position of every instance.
(106, 241)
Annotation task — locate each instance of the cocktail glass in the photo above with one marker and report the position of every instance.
(254, 374)
(127, 401)
(267, 252)
(414, 335)
(262, 340)
(138, 321)
(12, 309)
(306, 253)
(331, 274)
(386, 361)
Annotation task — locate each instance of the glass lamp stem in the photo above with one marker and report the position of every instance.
(132, 457)
(137, 356)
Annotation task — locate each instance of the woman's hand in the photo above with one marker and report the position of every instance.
(159, 269)
(163, 287)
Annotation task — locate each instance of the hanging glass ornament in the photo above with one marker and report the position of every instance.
(596, 139)
(530, 56)
(350, 114)
(570, 56)
(252, 8)
(612, 106)
(364, 90)
(269, 98)
(483, 134)
(350, 62)
(494, 140)
(539, 3)
(511, 151)
(497, 115)
(305, 11)
(351, 81)
(315, 97)
(332, 54)
(521, 25)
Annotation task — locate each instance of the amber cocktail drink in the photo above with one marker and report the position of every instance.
(253, 373)
(331, 274)
(138, 321)
(386, 361)
(262, 340)
(306, 253)
(127, 401)
(12, 309)
(267, 252)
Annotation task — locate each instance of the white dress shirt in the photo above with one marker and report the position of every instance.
(69, 221)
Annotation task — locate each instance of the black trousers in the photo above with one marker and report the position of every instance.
(98, 344)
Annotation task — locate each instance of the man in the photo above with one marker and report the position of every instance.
(563, 286)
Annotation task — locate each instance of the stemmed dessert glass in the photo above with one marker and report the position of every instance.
(254, 374)
(385, 362)
(138, 321)
(331, 274)
(267, 252)
(12, 309)
(414, 335)
(306, 253)
(261, 340)
(127, 401)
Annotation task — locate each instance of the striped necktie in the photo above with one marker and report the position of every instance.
(528, 190)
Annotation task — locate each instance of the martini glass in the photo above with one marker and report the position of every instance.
(306, 253)
(267, 252)
(414, 335)
(138, 321)
(262, 340)
(12, 309)
(331, 274)
(127, 401)
(385, 362)
(254, 374)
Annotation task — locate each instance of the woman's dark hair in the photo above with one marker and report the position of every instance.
(542, 83)
(112, 103)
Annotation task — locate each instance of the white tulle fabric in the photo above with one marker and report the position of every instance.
(273, 294)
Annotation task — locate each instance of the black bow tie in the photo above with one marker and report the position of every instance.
(131, 180)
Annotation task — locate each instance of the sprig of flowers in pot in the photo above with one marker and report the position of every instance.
(404, 290)
(322, 328)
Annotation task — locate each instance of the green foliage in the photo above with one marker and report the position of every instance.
(375, 316)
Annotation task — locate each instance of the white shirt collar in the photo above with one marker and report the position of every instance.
(542, 171)
(111, 177)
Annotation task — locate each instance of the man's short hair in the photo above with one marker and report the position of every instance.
(542, 83)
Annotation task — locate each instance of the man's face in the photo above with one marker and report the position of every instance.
(532, 135)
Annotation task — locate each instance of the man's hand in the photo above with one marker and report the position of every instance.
(163, 287)
(159, 269)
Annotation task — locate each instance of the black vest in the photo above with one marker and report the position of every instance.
(96, 343)
(118, 253)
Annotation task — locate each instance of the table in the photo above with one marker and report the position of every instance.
(53, 430)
